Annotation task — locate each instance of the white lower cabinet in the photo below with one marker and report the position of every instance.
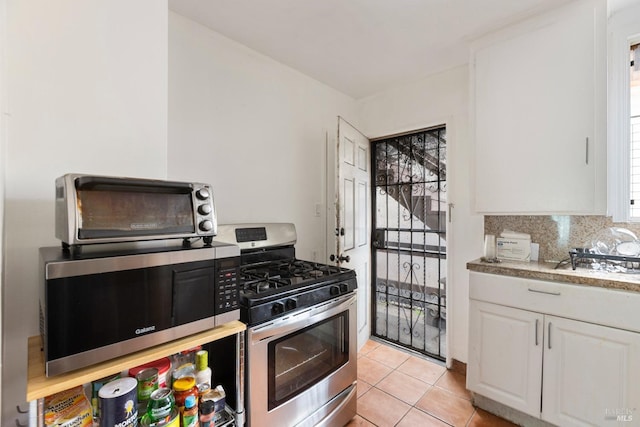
(505, 362)
(591, 374)
(566, 372)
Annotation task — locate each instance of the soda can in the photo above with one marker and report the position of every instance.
(173, 420)
(161, 403)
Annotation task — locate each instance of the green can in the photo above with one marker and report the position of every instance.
(173, 420)
(147, 383)
(160, 406)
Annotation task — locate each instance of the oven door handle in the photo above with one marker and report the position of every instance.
(296, 321)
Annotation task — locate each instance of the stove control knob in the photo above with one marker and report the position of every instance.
(206, 225)
(344, 288)
(204, 209)
(290, 304)
(334, 290)
(202, 194)
(277, 308)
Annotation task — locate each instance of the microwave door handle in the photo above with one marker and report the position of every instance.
(173, 302)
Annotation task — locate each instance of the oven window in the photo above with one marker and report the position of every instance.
(302, 359)
(123, 213)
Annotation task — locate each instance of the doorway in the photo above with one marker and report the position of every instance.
(350, 235)
(409, 250)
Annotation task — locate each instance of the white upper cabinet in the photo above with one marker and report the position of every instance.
(539, 114)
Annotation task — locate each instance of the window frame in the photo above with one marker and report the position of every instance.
(624, 31)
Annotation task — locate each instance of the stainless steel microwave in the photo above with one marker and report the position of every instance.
(102, 209)
(97, 307)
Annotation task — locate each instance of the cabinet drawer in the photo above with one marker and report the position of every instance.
(609, 307)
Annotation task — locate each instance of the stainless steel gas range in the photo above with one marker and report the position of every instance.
(301, 335)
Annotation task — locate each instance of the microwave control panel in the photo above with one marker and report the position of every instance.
(226, 288)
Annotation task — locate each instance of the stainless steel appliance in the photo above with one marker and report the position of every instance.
(102, 209)
(301, 338)
(97, 306)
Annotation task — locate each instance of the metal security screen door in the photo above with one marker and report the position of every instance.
(409, 247)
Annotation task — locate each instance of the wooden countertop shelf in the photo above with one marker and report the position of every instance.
(40, 386)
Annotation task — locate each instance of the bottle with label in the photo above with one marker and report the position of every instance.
(182, 389)
(190, 413)
(203, 371)
(207, 413)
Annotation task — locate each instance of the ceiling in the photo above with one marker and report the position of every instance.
(360, 47)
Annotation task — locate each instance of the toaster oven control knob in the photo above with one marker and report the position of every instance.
(334, 290)
(204, 209)
(290, 304)
(277, 308)
(206, 225)
(202, 194)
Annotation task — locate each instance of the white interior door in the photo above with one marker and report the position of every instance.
(352, 219)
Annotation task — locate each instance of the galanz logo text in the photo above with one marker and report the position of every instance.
(145, 330)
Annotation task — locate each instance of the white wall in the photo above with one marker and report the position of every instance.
(3, 156)
(253, 128)
(438, 99)
(87, 92)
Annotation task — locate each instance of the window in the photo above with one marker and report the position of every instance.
(634, 130)
(623, 116)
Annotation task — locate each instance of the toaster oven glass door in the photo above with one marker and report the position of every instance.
(110, 213)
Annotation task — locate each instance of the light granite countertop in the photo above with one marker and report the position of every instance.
(565, 274)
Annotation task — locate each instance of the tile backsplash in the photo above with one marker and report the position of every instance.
(556, 234)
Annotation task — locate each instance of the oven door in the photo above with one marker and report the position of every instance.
(303, 366)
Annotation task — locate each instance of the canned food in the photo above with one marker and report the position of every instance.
(163, 365)
(118, 403)
(161, 403)
(172, 420)
(97, 385)
(147, 383)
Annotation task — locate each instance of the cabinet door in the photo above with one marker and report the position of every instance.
(505, 355)
(535, 117)
(591, 374)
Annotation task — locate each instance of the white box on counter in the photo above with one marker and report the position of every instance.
(513, 249)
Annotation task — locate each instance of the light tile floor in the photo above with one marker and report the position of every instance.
(396, 388)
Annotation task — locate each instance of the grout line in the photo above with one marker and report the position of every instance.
(428, 387)
(471, 417)
(430, 415)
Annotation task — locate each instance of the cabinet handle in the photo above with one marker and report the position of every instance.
(586, 159)
(536, 332)
(544, 292)
(549, 336)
